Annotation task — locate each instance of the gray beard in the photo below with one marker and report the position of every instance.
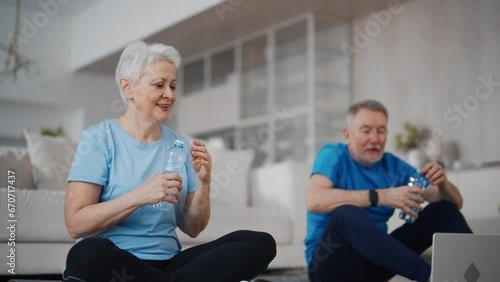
(367, 160)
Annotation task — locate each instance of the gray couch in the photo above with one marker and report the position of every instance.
(275, 204)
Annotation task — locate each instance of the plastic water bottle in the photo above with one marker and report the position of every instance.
(416, 179)
(176, 161)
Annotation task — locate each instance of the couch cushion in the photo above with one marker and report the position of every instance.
(36, 259)
(51, 158)
(17, 160)
(39, 214)
(224, 220)
(230, 177)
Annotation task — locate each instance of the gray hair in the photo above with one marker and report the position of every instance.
(137, 55)
(371, 105)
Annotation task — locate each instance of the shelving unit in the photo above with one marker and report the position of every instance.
(291, 90)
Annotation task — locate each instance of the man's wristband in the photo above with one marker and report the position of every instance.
(373, 197)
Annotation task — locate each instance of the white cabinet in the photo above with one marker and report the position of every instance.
(254, 78)
(209, 110)
(331, 82)
(480, 190)
(288, 95)
(291, 67)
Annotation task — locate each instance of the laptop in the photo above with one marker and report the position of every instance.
(465, 258)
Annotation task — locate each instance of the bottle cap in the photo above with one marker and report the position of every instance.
(179, 143)
(419, 179)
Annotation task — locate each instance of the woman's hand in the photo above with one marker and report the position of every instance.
(202, 161)
(158, 188)
(85, 216)
(197, 207)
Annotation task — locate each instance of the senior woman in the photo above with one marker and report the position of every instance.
(116, 178)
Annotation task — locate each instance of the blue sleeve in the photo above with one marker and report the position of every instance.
(329, 163)
(90, 162)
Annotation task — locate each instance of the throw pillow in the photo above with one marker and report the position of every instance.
(230, 177)
(51, 158)
(230, 185)
(18, 161)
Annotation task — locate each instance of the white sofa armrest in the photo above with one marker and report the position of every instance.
(282, 187)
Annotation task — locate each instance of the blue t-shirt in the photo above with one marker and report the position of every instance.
(108, 156)
(336, 163)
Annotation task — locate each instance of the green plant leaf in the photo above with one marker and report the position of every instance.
(54, 132)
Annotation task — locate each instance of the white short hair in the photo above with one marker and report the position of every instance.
(137, 55)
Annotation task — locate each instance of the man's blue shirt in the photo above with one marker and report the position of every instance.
(335, 162)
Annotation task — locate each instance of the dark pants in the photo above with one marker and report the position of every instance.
(241, 255)
(353, 248)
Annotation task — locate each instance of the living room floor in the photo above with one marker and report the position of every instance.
(294, 275)
(300, 275)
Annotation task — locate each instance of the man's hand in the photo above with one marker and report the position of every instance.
(435, 173)
(403, 198)
(440, 188)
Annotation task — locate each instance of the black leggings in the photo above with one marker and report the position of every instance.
(240, 255)
(353, 248)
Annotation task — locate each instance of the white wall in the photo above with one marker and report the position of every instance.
(6, 25)
(36, 101)
(55, 40)
(83, 99)
(44, 35)
(425, 60)
(63, 35)
(16, 116)
(109, 25)
(58, 96)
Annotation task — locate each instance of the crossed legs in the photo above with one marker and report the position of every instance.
(353, 248)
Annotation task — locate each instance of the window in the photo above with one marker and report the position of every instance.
(254, 78)
(193, 77)
(222, 66)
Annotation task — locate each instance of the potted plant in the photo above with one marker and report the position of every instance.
(408, 142)
(53, 132)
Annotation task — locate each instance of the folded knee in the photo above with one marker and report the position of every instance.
(348, 215)
(346, 211)
(87, 249)
(444, 207)
(266, 242)
(261, 241)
